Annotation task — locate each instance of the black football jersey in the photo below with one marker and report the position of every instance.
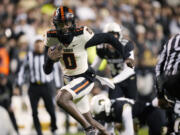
(116, 112)
(117, 109)
(114, 58)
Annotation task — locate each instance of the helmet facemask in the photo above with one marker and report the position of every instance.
(64, 21)
(65, 26)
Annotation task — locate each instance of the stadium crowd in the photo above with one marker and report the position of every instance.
(147, 23)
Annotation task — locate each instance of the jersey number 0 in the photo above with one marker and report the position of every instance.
(69, 60)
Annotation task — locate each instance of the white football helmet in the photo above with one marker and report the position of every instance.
(113, 27)
(100, 103)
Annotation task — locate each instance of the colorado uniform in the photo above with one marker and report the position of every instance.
(123, 76)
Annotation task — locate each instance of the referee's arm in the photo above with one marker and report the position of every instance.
(161, 61)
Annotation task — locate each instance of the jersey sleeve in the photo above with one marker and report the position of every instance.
(100, 50)
(88, 33)
(50, 38)
(129, 46)
(110, 39)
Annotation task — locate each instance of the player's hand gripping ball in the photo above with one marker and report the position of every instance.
(55, 53)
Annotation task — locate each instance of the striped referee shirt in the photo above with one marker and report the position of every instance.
(169, 60)
(34, 64)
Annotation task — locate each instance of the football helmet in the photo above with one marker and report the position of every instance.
(113, 28)
(64, 19)
(100, 103)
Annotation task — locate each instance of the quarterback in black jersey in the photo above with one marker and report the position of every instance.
(123, 76)
(68, 44)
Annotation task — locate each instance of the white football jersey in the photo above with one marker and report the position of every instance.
(74, 59)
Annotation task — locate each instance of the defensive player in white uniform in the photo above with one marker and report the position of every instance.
(67, 44)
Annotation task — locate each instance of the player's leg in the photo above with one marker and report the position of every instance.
(156, 120)
(13, 119)
(127, 120)
(50, 107)
(84, 108)
(74, 92)
(34, 98)
(65, 100)
(94, 123)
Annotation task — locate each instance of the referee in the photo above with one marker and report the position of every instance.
(168, 68)
(168, 82)
(41, 85)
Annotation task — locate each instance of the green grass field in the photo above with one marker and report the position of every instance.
(142, 131)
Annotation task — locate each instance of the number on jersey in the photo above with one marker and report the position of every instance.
(69, 60)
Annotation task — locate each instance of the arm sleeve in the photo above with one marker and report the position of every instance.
(48, 63)
(107, 38)
(161, 61)
(129, 47)
(96, 63)
(127, 72)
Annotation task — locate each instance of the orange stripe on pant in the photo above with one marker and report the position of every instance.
(81, 87)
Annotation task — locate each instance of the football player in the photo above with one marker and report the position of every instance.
(123, 76)
(67, 44)
(124, 110)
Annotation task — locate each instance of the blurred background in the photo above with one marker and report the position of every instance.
(148, 23)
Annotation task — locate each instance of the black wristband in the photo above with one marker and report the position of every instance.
(49, 61)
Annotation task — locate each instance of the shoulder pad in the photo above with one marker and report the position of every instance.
(78, 31)
(52, 33)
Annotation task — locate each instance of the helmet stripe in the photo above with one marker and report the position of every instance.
(62, 13)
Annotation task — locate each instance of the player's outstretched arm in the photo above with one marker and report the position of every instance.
(110, 39)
